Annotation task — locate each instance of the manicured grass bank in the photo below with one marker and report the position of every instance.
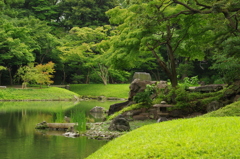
(110, 90)
(52, 93)
(215, 137)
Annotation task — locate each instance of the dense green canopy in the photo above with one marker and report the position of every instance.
(96, 41)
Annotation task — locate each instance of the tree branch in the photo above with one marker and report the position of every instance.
(187, 6)
(180, 40)
(202, 5)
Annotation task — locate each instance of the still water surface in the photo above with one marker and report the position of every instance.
(20, 140)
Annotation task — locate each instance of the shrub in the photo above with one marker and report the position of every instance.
(145, 97)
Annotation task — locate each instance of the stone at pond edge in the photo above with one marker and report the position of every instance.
(119, 124)
(161, 119)
(97, 109)
(214, 105)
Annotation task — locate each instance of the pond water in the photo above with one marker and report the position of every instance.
(20, 140)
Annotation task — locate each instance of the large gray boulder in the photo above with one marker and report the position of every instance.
(136, 86)
(139, 86)
(118, 106)
(143, 76)
(97, 109)
(119, 124)
(214, 105)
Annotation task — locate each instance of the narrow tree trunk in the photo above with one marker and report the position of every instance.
(169, 72)
(0, 77)
(87, 79)
(173, 78)
(64, 76)
(10, 75)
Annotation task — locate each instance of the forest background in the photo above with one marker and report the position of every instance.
(106, 41)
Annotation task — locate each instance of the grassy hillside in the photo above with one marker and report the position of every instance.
(186, 138)
(229, 110)
(110, 90)
(52, 93)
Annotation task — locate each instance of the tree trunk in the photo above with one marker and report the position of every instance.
(0, 77)
(10, 75)
(169, 72)
(64, 76)
(173, 71)
(87, 79)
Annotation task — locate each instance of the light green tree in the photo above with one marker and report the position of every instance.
(40, 74)
(27, 74)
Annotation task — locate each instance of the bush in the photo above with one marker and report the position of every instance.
(145, 97)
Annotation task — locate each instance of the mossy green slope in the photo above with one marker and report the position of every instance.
(186, 138)
(229, 110)
(110, 90)
(51, 93)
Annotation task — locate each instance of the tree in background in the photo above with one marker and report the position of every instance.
(169, 30)
(45, 73)
(81, 51)
(15, 45)
(27, 74)
(40, 74)
(87, 13)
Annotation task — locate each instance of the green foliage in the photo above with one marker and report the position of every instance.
(184, 99)
(26, 74)
(118, 76)
(227, 67)
(78, 116)
(40, 74)
(44, 73)
(145, 97)
(192, 81)
(183, 138)
(59, 117)
(131, 107)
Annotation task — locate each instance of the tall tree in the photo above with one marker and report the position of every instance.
(87, 13)
(168, 29)
(14, 45)
(145, 29)
(80, 49)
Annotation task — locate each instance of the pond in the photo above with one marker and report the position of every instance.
(20, 139)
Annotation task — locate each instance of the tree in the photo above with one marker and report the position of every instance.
(27, 74)
(44, 73)
(14, 45)
(81, 51)
(87, 13)
(227, 63)
(40, 74)
(144, 29)
(169, 30)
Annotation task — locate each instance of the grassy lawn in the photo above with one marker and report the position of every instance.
(214, 135)
(52, 93)
(185, 138)
(46, 106)
(110, 90)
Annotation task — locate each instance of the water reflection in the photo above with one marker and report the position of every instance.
(20, 139)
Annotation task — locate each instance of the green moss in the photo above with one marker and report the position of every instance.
(229, 110)
(186, 138)
(131, 107)
(185, 99)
